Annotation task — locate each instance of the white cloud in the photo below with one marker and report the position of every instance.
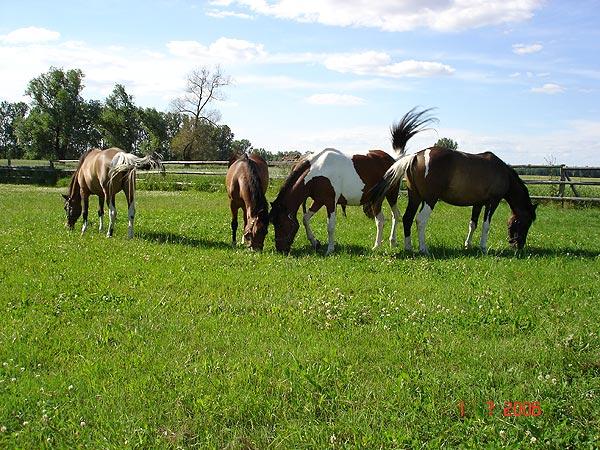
(223, 49)
(335, 99)
(548, 88)
(29, 35)
(523, 49)
(393, 15)
(222, 14)
(380, 64)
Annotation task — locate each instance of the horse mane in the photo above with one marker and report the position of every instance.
(73, 181)
(297, 171)
(411, 123)
(259, 202)
(522, 187)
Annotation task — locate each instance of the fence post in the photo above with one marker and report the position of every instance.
(561, 186)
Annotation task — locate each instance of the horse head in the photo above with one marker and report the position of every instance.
(256, 230)
(72, 209)
(518, 226)
(286, 226)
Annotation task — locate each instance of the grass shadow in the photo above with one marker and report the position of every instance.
(447, 252)
(178, 239)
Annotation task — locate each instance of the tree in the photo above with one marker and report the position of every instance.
(203, 87)
(120, 121)
(10, 115)
(448, 143)
(58, 114)
(158, 130)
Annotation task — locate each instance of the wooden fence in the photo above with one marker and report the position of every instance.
(58, 167)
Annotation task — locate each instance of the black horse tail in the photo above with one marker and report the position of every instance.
(412, 123)
(391, 178)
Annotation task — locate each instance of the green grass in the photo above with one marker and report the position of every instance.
(174, 339)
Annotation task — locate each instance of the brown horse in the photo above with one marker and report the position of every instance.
(461, 179)
(104, 173)
(247, 180)
(331, 177)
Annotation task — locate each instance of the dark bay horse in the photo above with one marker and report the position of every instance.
(247, 180)
(331, 177)
(104, 173)
(461, 179)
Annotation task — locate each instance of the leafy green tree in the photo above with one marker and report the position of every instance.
(10, 115)
(120, 121)
(223, 140)
(448, 143)
(57, 115)
(158, 130)
(241, 146)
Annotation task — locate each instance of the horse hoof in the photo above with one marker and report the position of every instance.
(316, 245)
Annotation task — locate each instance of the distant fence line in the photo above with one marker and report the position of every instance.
(50, 174)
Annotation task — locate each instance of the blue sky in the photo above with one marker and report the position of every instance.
(520, 78)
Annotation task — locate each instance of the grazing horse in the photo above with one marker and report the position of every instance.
(331, 177)
(104, 173)
(247, 180)
(461, 179)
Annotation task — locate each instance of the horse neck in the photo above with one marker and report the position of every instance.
(518, 196)
(294, 197)
(74, 187)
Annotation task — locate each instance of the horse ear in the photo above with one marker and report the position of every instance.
(66, 197)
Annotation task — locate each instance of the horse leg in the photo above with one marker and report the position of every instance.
(100, 212)
(112, 215)
(306, 220)
(485, 227)
(472, 224)
(86, 204)
(330, 229)
(422, 219)
(408, 217)
(379, 221)
(234, 223)
(394, 232)
(130, 212)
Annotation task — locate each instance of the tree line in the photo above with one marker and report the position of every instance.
(58, 123)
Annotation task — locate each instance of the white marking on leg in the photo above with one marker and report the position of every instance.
(112, 215)
(100, 222)
(485, 229)
(407, 243)
(395, 220)
(331, 233)
(379, 221)
(427, 158)
(309, 233)
(422, 219)
(84, 227)
(131, 213)
(472, 226)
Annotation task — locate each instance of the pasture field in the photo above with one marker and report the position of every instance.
(174, 339)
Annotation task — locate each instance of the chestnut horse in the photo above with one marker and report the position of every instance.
(247, 180)
(331, 177)
(461, 179)
(104, 173)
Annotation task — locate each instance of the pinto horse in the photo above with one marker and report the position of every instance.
(247, 180)
(104, 173)
(461, 179)
(331, 177)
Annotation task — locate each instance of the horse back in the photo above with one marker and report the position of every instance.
(93, 174)
(458, 178)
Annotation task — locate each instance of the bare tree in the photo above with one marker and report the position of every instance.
(203, 87)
